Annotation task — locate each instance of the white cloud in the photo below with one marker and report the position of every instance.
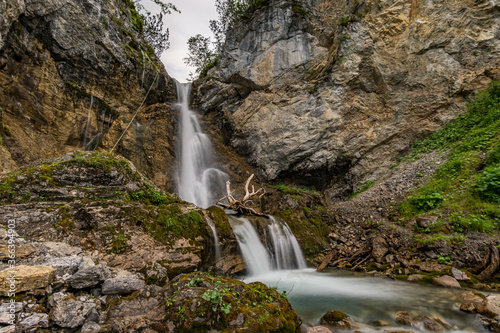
(194, 19)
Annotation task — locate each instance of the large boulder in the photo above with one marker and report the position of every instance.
(227, 305)
(90, 276)
(26, 278)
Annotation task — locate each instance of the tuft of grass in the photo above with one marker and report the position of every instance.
(294, 190)
(363, 188)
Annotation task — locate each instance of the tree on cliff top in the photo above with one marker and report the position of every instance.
(153, 30)
(203, 53)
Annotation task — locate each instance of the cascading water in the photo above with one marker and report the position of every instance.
(216, 240)
(286, 250)
(283, 253)
(257, 259)
(198, 180)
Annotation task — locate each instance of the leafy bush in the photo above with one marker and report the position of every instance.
(488, 184)
(426, 202)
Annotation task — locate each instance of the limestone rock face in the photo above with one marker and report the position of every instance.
(72, 74)
(332, 94)
(26, 278)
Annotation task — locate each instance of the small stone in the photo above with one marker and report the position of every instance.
(62, 249)
(380, 323)
(37, 319)
(70, 313)
(86, 262)
(122, 285)
(64, 265)
(416, 277)
(470, 297)
(446, 281)
(91, 327)
(490, 307)
(5, 318)
(424, 222)
(413, 319)
(468, 307)
(7, 306)
(432, 267)
(459, 275)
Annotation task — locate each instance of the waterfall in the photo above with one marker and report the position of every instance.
(284, 252)
(254, 253)
(88, 121)
(143, 69)
(216, 240)
(286, 249)
(198, 180)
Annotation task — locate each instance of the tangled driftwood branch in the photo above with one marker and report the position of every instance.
(242, 206)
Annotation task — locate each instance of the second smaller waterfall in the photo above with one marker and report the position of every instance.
(282, 253)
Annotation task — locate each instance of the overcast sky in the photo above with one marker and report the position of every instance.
(193, 19)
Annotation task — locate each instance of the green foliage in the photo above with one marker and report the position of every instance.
(344, 20)
(200, 55)
(152, 196)
(148, 24)
(215, 297)
(445, 260)
(465, 191)
(171, 220)
(455, 239)
(426, 202)
(479, 223)
(488, 183)
(119, 243)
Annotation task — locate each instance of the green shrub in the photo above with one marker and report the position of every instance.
(426, 202)
(488, 184)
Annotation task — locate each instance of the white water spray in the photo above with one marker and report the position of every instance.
(198, 180)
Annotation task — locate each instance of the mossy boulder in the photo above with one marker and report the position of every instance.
(199, 302)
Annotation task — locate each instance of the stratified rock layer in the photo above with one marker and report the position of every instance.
(72, 73)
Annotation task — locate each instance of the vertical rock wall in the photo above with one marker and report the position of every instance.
(59, 58)
(329, 94)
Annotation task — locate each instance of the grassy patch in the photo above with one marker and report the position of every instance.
(465, 191)
(285, 189)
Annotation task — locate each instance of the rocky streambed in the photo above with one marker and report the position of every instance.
(98, 248)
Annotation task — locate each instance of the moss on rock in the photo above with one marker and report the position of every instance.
(200, 302)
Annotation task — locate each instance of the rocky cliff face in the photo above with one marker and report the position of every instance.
(331, 94)
(72, 73)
